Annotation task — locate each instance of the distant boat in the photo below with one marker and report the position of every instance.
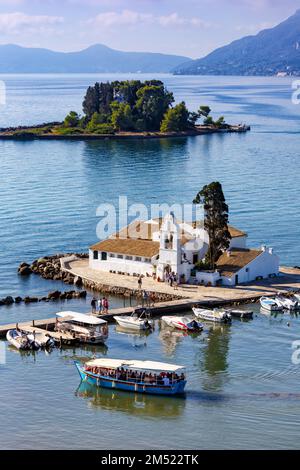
(270, 304)
(85, 328)
(217, 316)
(135, 321)
(18, 340)
(134, 376)
(183, 323)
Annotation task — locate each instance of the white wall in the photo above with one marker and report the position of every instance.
(263, 265)
(122, 265)
(205, 277)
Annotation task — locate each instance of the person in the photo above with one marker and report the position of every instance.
(145, 299)
(175, 282)
(105, 305)
(99, 304)
(171, 279)
(140, 282)
(166, 381)
(93, 305)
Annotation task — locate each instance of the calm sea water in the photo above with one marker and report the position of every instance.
(243, 390)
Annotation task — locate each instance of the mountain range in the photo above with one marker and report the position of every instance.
(95, 59)
(271, 52)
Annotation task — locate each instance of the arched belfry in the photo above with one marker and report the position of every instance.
(170, 247)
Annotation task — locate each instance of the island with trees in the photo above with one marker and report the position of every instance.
(126, 109)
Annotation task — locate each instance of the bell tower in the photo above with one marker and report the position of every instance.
(170, 247)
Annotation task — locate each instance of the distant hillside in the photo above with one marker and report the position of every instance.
(270, 52)
(95, 59)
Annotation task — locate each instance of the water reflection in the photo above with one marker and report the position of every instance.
(131, 403)
(172, 338)
(214, 359)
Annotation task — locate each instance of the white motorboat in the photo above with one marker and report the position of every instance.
(287, 304)
(135, 321)
(183, 323)
(217, 316)
(297, 297)
(270, 304)
(18, 340)
(86, 328)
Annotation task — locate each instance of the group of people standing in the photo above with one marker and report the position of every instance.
(100, 305)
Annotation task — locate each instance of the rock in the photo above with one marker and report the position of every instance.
(8, 300)
(83, 294)
(78, 281)
(18, 300)
(54, 295)
(25, 271)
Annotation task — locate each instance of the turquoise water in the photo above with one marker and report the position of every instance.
(243, 390)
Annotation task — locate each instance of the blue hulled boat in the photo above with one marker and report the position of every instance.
(134, 376)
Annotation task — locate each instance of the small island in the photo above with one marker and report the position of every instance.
(127, 109)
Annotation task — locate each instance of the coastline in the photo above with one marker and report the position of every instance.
(24, 134)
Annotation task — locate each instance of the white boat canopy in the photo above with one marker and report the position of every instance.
(81, 318)
(135, 365)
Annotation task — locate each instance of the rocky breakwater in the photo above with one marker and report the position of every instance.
(49, 267)
(51, 297)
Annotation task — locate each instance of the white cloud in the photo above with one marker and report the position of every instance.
(129, 17)
(254, 28)
(14, 23)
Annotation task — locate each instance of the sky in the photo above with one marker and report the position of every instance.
(191, 28)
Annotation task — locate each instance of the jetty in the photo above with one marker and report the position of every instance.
(40, 326)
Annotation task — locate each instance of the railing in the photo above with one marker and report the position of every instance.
(156, 381)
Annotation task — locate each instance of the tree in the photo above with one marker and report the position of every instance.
(176, 119)
(95, 120)
(220, 122)
(121, 117)
(215, 220)
(72, 119)
(91, 100)
(152, 104)
(204, 111)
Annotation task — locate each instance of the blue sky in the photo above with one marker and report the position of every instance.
(187, 27)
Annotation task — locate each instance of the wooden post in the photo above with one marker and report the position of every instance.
(33, 323)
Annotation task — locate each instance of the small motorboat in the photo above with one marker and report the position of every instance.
(297, 298)
(242, 314)
(217, 316)
(18, 339)
(271, 304)
(287, 304)
(183, 323)
(134, 376)
(135, 321)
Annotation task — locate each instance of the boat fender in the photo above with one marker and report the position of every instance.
(113, 385)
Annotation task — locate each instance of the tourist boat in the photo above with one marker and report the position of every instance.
(270, 304)
(134, 376)
(18, 339)
(183, 323)
(287, 304)
(85, 328)
(217, 316)
(135, 321)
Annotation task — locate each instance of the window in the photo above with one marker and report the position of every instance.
(112, 255)
(195, 258)
(104, 256)
(138, 258)
(120, 256)
(147, 260)
(96, 255)
(129, 257)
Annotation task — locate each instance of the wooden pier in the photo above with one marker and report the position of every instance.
(157, 310)
(44, 326)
